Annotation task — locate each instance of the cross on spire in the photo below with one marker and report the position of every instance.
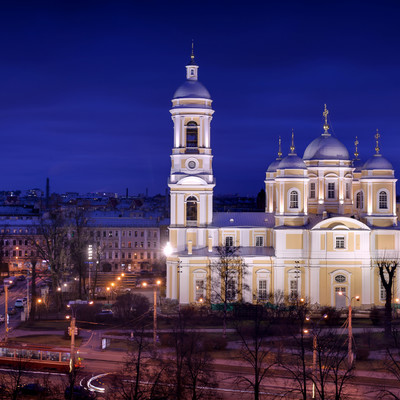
(326, 125)
(192, 54)
(377, 136)
(356, 143)
(280, 147)
(292, 148)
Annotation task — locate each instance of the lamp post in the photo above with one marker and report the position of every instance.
(157, 284)
(6, 311)
(108, 294)
(72, 332)
(315, 347)
(350, 356)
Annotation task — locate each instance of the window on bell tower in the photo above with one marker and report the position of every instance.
(192, 134)
(191, 209)
(383, 200)
(294, 199)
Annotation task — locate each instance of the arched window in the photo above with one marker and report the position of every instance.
(294, 199)
(192, 134)
(191, 209)
(360, 200)
(383, 203)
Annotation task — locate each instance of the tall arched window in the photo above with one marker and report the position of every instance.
(191, 209)
(192, 134)
(294, 199)
(383, 203)
(360, 200)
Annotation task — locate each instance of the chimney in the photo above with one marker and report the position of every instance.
(209, 244)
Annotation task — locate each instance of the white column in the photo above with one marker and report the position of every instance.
(203, 209)
(181, 209)
(314, 287)
(366, 295)
(279, 279)
(184, 284)
(173, 209)
(206, 122)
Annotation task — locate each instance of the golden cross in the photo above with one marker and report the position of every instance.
(377, 136)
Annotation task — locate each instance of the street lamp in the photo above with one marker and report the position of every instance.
(315, 347)
(168, 249)
(108, 294)
(350, 356)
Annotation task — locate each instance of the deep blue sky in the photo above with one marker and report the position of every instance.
(86, 86)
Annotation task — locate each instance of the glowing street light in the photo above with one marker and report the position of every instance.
(350, 346)
(168, 249)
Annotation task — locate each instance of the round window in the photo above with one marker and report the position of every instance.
(192, 164)
(340, 278)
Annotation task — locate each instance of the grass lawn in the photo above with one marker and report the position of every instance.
(50, 340)
(54, 325)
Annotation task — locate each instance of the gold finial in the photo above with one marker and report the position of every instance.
(356, 143)
(377, 136)
(326, 126)
(280, 148)
(292, 148)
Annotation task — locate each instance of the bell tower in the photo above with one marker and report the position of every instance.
(191, 180)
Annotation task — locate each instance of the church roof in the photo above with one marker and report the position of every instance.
(326, 147)
(292, 161)
(192, 89)
(243, 219)
(377, 161)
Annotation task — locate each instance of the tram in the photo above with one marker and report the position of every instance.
(35, 357)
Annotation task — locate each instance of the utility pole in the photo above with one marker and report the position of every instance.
(6, 310)
(72, 331)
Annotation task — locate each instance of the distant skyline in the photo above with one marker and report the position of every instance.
(86, 87)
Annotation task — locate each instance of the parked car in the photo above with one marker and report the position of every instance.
(78, 393)
(21, 278)
(19, 303)
(12, 311)
(33, 389)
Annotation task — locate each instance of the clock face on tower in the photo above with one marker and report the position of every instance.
(192, 164)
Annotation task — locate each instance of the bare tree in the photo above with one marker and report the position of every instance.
(227, 279)
(52, 244)
(141, 376)
(255, 349)
(190, 373)
(387, 270)
(79, 243)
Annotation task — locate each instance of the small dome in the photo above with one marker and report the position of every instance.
(274, 165)
(192, 89)
(326, 147)
(377, 161)
(292, 161)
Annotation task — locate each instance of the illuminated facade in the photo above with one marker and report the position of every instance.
(328, 216)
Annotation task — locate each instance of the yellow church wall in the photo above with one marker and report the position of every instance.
(267, 267)
(375, 188)
(350, 242)
(382, 222)
(385, 242)
(173, 237)
(382, 172)
(322, 242)
(291, 172)
(293, 221)
(312, 209)
(329, 241)
(294, 241)
(358, 242)
(192, 291)
(327, 283)
(302, 288)
(193, 237)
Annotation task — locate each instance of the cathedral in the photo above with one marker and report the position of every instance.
(328, 217)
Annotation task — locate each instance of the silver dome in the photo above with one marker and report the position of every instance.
(292, 161)
(326, 147)
(377, 161)
(274, 165)
(192, 89)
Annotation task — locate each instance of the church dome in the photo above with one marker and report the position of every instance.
(377, 161)
(274, 165)
(292, 161)
(192, 89)
(326, 147)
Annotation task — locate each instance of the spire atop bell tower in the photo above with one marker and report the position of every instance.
(192, 67)
(326, 125)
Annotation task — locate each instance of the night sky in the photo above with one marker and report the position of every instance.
(86, 86)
